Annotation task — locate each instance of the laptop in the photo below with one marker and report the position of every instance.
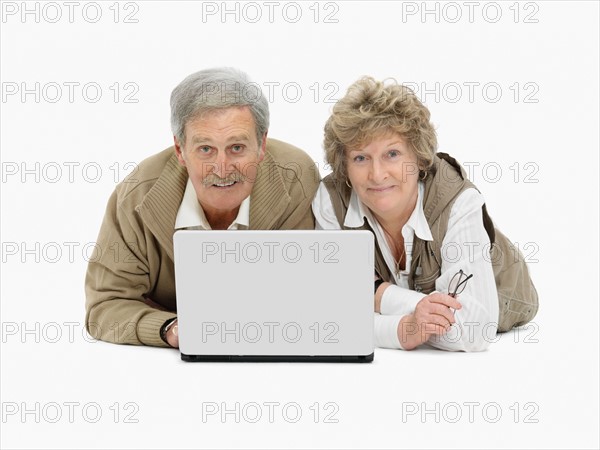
(289, 295)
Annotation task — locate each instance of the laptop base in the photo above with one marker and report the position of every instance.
(279, 358)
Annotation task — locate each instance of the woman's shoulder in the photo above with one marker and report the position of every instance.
(322, 199)
(324, 210)
(469, 199)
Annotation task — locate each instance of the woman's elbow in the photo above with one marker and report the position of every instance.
(477, 337)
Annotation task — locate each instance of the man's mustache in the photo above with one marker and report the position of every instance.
(214, 179)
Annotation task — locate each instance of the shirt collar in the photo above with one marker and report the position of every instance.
(358, 212)
(191, 214)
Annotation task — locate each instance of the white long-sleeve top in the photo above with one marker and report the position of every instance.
(465, 246)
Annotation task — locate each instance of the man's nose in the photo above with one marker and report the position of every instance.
(222, 164)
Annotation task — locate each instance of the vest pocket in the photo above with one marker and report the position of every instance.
(514, 312)
(426, 282)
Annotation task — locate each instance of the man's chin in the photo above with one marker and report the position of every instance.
(226, 197)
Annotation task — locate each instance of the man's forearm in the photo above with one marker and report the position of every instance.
(127, 322)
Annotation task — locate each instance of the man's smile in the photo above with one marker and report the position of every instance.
(224, 184)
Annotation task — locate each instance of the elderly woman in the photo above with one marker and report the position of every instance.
(387, 178)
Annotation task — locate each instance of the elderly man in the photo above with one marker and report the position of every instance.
(222, 173)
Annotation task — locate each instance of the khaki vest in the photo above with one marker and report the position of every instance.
(445, 182)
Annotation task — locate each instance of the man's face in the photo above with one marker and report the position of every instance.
(221, 154)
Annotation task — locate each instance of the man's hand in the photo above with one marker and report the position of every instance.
(172, 336)
(432, 316)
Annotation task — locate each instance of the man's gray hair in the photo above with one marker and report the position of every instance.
(213, 89)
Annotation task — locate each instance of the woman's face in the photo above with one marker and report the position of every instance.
(385, 175)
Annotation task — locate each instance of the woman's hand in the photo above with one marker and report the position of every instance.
(432, 316)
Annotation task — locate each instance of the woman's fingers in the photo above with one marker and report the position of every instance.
(433, 328)
(443, 299)
(433, 313)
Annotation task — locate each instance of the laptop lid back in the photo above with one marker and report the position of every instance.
(274, 293)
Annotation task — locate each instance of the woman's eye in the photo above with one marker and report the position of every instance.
(393, 153)
(359, 158)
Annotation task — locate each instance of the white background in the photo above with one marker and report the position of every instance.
(547, 372)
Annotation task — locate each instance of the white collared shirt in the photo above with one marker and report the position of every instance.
(191, 215)
(416, 224)
(476, 322)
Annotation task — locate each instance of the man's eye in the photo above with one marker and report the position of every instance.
(237, 148)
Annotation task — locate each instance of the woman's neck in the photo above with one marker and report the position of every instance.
(394, 221)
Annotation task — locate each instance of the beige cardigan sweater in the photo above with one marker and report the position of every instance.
(133, 260)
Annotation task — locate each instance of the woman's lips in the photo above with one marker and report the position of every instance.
(381, 189)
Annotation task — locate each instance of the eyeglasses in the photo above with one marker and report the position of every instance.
(458, 283)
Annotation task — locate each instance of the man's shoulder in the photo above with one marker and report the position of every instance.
(151, 167)
(284, 153)
(145, 174)
(293, 164)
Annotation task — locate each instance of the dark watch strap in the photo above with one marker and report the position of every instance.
(164, 328)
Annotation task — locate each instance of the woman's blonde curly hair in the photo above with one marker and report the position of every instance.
(371, 109)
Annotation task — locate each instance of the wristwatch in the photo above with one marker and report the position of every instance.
(165, 329)
(378, 283)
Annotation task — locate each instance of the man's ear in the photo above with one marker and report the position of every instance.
(263, 147)
(179, 152)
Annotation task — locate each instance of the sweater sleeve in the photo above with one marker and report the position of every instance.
(117, 281)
